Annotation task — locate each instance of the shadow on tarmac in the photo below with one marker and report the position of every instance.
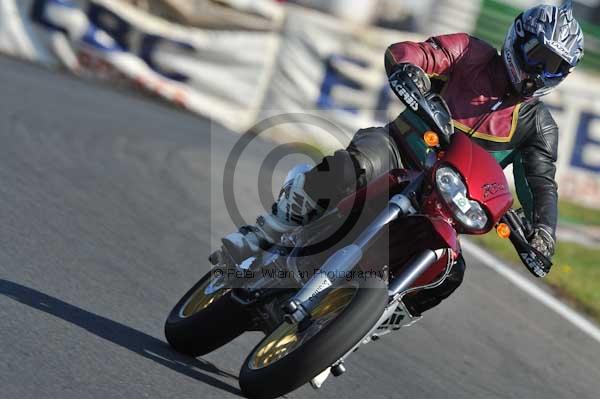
(120, 334)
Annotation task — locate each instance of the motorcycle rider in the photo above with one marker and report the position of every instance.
(492, 97)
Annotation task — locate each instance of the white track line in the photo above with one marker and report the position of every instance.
(505, 271)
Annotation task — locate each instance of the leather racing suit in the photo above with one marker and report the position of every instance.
(471, 76)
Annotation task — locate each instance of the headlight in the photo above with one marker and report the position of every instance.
(454, 192)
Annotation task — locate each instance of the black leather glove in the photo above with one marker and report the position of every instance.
(416, 74)
(543, 241)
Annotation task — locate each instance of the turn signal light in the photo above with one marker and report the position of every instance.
(431, 139)
(503, 230)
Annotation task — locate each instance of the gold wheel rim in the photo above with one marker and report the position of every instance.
(286, 338)
(202, 298)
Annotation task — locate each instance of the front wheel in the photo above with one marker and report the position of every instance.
(291, 356)
(205, 319)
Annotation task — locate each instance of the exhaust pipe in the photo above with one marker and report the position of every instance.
(413, 271)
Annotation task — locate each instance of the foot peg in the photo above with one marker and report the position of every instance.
(215, 258)
(338, 369)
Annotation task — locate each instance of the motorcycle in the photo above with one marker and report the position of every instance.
(315, 295)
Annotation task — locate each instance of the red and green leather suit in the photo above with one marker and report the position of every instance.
(471, 77)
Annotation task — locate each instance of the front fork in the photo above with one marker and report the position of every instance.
(399, 286)
(346, 259)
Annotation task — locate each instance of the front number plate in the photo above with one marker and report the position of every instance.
(462, 202)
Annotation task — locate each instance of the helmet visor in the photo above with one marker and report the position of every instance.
(540, 59)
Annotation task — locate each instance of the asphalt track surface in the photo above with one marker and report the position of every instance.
(106, 218)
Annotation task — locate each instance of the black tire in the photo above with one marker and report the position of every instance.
(208, 329)
(319, 351)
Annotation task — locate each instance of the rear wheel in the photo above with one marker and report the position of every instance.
(205, 319)
(291, 355)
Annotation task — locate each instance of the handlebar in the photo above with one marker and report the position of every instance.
(521, 231)
(429, 107)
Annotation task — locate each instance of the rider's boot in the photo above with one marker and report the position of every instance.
(293, 208)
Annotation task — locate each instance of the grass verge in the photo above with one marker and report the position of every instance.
(573, 213)
(575, 274)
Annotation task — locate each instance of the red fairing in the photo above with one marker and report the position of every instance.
(447, 232)
(483, 175)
